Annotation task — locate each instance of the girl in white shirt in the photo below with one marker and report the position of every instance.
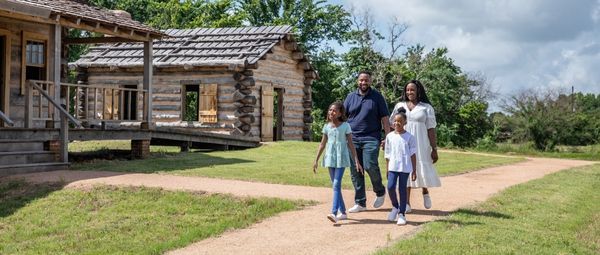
(400, 156)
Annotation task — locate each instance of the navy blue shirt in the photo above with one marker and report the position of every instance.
(365, 113)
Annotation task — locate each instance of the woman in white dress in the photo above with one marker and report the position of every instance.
(421, 124)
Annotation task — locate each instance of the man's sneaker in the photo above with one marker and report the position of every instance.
(357, 208)
(426, 201)
(407, 209)
(342, 216)
(379, 201)
(332, 218)
(401, 219)
(393, 214)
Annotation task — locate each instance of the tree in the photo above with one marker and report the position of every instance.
(165, 14)
(315, 22)
(551, 118)
(473, 124)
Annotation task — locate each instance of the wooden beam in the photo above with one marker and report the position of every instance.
(20, 16)
(308, 82)
(291, 46)
(64, 124)
(97, 40)
(310, 74)
(148, 81)
(252, 66)
(25, 9)
(304, 65)
(297, 55)
(101, 29)
(5, 83)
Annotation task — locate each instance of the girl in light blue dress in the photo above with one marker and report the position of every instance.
(337, 138)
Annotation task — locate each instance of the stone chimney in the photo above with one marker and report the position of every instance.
(121, 14)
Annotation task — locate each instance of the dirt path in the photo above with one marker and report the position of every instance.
(308, 231)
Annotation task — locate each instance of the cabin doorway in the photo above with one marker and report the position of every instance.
(271, 120)
(3, 75)
(130, 103)
(278, 114)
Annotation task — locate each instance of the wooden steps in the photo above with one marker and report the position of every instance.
(27, 155)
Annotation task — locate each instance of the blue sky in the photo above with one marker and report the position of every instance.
(516, 44)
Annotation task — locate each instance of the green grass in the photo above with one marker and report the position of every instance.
(590, 152)
(558, 214)
(93, 146)
(46, 219)
(282, 162)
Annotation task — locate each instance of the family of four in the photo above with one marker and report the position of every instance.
(352, 137)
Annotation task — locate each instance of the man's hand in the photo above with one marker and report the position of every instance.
(359, 168)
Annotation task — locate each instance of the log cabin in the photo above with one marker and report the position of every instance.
(243, 82)
(34, 100)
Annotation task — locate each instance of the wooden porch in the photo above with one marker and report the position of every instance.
(40, 114)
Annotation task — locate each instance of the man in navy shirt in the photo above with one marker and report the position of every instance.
(367, 114)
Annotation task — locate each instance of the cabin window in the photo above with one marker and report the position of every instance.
(200, 103)
(190, 102)
(34, 58)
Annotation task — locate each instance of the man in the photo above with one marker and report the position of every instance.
(367, 114)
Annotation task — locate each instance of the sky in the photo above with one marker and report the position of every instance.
(516, 44)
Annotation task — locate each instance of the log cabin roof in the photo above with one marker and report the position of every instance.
(234, 47)
(78, 14)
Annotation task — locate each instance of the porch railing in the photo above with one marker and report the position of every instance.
(43, 93)
(103, 103)
(86, 103)
(6, 119)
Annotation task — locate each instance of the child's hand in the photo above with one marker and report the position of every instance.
(359, 168)
(413, 176)
(315, 165)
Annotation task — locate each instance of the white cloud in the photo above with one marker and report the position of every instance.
(516, 44)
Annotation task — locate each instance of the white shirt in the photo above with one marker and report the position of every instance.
(398, 150)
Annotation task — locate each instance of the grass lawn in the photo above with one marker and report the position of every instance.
(558, 214)
(590, 152)
(282, 162)
(46, 219)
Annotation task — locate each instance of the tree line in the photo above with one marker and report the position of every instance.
(459, 98)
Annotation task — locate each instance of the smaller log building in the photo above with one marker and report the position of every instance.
(249, 82)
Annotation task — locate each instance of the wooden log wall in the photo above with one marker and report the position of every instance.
(15, 29)
(167, 94)
(284, 71)
(244, 102)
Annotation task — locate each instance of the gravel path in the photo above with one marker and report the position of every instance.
(308, 231)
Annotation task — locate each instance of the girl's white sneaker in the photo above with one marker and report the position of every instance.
(332, 218)
(401, 220)
(407, 209)
(342, 216)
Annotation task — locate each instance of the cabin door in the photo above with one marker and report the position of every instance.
(266, 110)
(278, 121)
(3, 75)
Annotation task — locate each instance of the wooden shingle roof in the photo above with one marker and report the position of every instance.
(77, 12)
(235, 46)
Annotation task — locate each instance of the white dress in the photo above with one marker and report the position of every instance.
(419, 120)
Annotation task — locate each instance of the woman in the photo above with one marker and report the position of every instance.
(421, 124)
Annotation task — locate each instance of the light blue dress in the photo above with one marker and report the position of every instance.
(337, 153)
